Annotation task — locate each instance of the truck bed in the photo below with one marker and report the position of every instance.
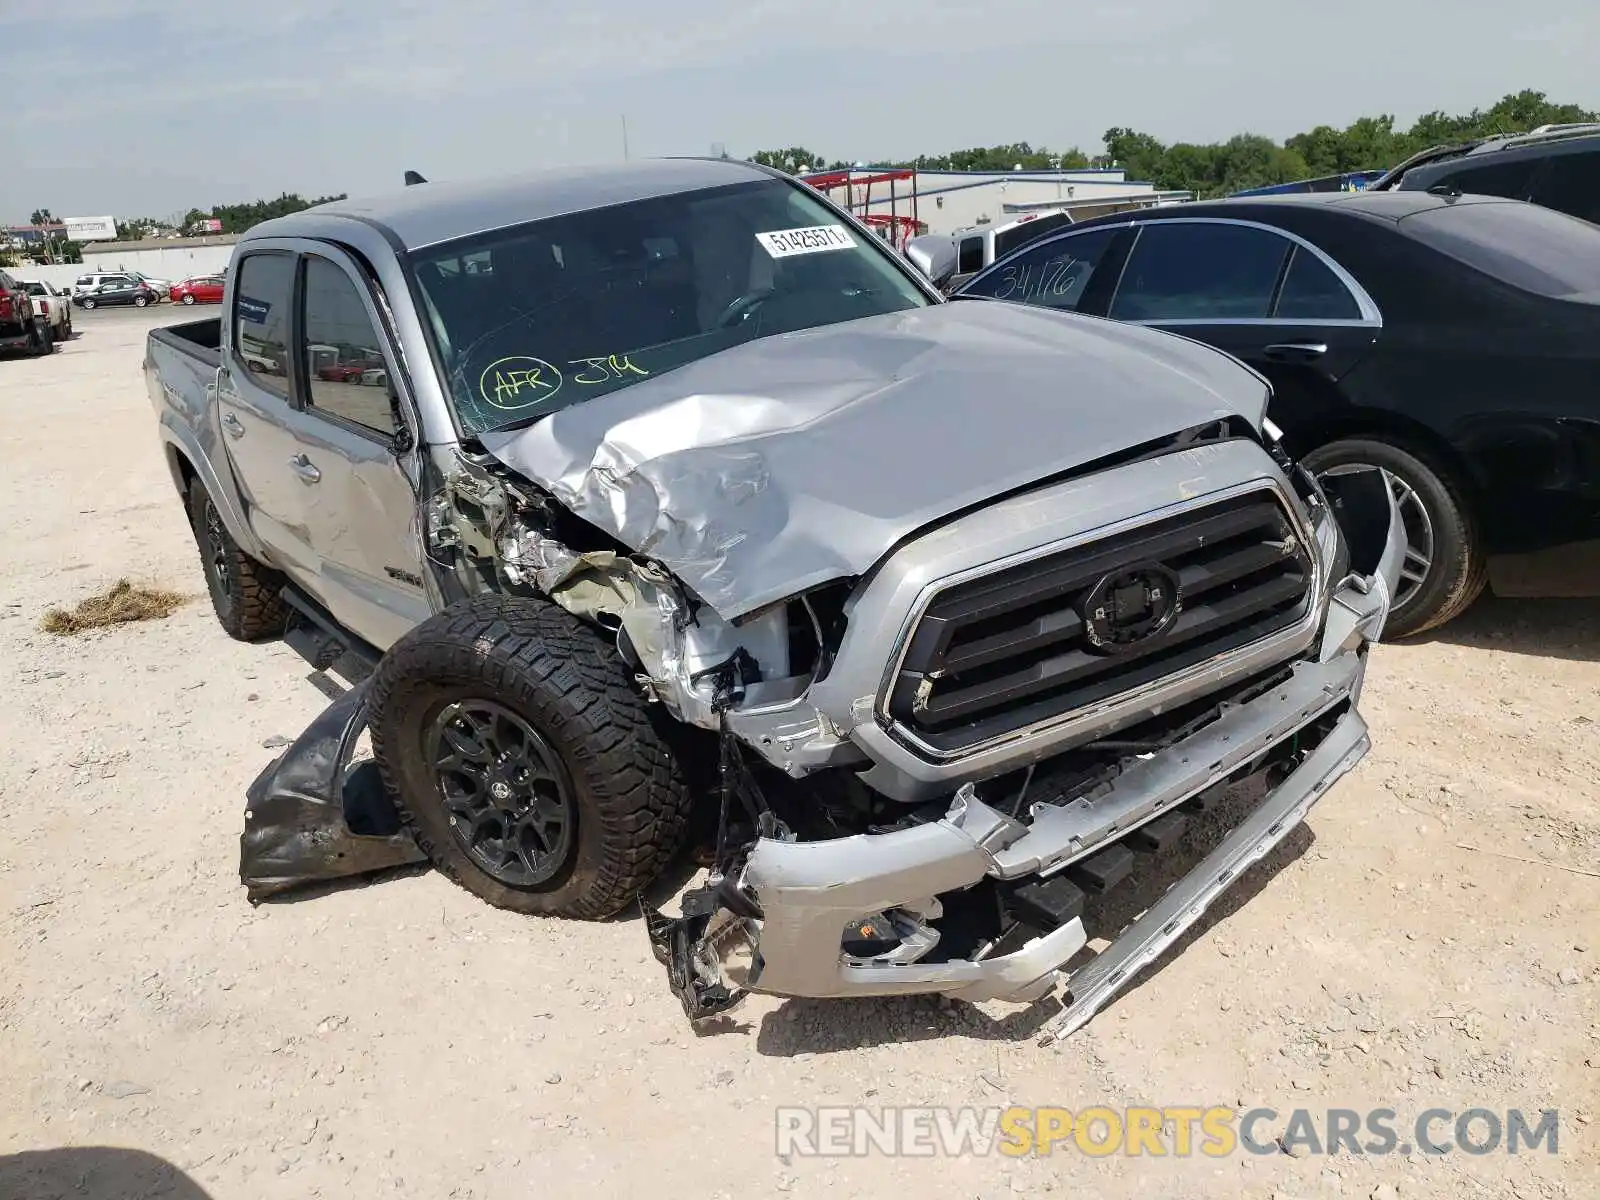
(200, 340)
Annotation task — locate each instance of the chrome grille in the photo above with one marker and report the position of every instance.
(1046, 637)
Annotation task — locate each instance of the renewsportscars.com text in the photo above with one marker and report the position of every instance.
(1177, 1131)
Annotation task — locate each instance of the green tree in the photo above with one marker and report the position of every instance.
(793, 160)
(1139, 154)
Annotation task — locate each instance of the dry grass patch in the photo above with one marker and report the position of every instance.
(123, 603)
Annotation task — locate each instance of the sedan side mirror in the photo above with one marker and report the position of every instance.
(935, 256)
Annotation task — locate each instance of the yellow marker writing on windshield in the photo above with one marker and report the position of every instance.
(604, 368)
(518, 381)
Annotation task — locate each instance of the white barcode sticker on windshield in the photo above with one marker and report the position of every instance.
(781, 243)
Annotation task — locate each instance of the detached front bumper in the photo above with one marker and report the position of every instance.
(806, 895)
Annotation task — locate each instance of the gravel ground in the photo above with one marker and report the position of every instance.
(1430, 939)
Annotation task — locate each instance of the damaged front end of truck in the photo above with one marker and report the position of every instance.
(987, 893)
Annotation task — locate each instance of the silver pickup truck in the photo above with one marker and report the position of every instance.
(665, 493)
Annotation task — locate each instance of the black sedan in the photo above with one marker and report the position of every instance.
(136, 293)
(1452, 341)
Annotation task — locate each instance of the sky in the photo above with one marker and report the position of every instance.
(151, 107)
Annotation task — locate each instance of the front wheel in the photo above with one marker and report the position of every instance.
(188, 298)
(1444, 570)
(524, 760)
(87, 303)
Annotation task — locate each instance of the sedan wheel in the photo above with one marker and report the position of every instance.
(87, 303)
(140, 301)
(188, 298)
(1443, 568)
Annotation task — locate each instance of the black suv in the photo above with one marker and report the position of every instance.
(1557, 166)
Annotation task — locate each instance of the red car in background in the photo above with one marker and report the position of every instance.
(203, 289)
(343, 372)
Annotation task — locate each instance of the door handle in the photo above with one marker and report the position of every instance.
(1294, 350)
(305, 469)
(233, 425)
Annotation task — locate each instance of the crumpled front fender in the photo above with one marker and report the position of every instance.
(312, 815)
(1374, 533)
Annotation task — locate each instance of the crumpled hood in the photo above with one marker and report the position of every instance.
(801, 458)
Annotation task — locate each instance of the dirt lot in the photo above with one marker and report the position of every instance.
(400, 1038)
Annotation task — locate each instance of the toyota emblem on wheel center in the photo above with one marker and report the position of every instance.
(1131, 606)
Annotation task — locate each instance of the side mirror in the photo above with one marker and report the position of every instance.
(935, 256)
(401, 441)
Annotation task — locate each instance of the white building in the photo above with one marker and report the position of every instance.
(946, 201)
(176, 259)
(162, 258)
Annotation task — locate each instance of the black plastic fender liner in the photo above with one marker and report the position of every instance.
(311, 816)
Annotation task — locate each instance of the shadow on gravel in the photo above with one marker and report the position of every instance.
(332, 887)
(825, 1026)
(831, 1026)
(94, 1173)
(1567, 629)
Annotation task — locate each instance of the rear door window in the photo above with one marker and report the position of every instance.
(1312, 292)
(1052, 275)
(1571, 184)
(1200, 271)
(1524, 245)
(261, 318)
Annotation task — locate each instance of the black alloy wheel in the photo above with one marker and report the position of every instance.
(509, 798)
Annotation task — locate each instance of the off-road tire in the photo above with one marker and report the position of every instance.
(44, 339)
(1459, 571)
(247, 596)
(562, 678)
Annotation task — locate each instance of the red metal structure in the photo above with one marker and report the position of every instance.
(858, 200)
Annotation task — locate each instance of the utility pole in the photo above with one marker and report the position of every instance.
(624, 136)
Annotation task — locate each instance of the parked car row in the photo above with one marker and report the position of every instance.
(98, 289)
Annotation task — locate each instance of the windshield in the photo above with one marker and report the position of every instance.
(531, 319)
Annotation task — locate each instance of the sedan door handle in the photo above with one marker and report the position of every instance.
(1297, 350)
(233, 425)
(304, 468)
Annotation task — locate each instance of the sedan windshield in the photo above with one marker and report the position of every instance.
(534, 318)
